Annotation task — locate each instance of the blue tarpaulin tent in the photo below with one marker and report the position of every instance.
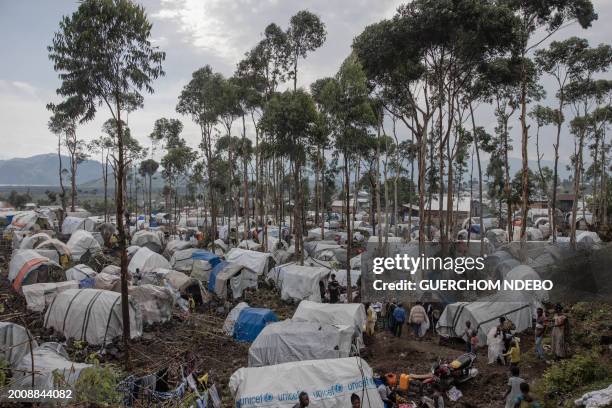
(213, 275)
(475, 228)
(251, 322)
(203, 255)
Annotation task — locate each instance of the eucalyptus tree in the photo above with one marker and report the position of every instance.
(422, 58)
(103, 145)
(64, 122)
(290, 117)
(561, 61)
(346, 103)
(103, 55)
(550, 15)
(199, 99)
(544, 116)
(306, 33)
(584, 94)
(59, 126)
(147, 169)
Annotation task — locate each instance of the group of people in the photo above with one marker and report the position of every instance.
(419, 319)
(304, 400)
(332, 292)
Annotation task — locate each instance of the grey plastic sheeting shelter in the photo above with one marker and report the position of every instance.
(291, 340)
(344, 314)
(258, 262)
(40, 295)
(92, 315)
(48, 358)
(14, 342)
(80, 272)
(484, 314)
(148, 239)
(298, 282)
(146, 260)
(155, 302)
(81, 242)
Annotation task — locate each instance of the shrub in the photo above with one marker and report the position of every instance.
(572, 374)
(98, 386)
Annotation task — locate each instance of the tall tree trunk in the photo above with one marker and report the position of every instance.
(105, 176)
(577, 176)
(246, 181)
(61, 180)
(507, 191)
(125, 310)
(378, 209)
(480, 209)
(525, 175)
(349, 235)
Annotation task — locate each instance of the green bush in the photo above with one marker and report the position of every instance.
(3, 368)
(569, 375)
(98, 386)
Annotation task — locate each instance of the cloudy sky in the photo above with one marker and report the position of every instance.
(193, 33)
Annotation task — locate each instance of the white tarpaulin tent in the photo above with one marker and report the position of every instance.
(14, 342)
(72, 224)
(149, 239)
(93, 315)
(80, 272)
(237, 277)
(329, 384)
(485, 313)
(40, 295)
(82, 241)
(342, 278)
(298, 282)
(32, 241)
(27, 267)
(524, 272)
(49, 359)
(146, 260)
(344, 314)
(258, 262)
(290, 340)
(175, 245)
(182, 260)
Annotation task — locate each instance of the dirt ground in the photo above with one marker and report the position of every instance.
(198, 341)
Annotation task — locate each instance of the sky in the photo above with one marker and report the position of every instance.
(194, 33)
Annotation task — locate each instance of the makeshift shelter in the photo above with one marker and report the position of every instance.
(485, 313)
(50, 360)
(186, 286)
(146, 260)
(32, 241)
(112, 270)
(155, 302)
(497, 237)
(499, 263)
(251, 321)
(106, 281)
(232, 276)
(92, 315)
(252, 245)
(341, 276)
(328, 383)
(290, 340)
(534, 234)
(148, 239)
(524, 272)
(61, 250)
(131, 250)
(197, 261)
(14, 342)
(80, 272)
(28, 267)
(344, 314)
(29, 221)
(72, 224)
(299, 282)
(82, 242)
(232, 316)
(40, 295)
(175, 245)
(588, 237)
(258, 262)
(326, 251)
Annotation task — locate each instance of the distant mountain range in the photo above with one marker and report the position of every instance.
(42, 170)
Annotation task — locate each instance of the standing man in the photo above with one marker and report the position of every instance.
(334, 289)
(416, 318)
(390, 320)
(399, 315)
(371, 319)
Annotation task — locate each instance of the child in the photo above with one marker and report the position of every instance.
(514, 353)
(474, 341)
(524, 400)
(514, 387)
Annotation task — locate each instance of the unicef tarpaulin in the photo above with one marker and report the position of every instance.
(328, 383)
(213, 274)
(251, 322)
